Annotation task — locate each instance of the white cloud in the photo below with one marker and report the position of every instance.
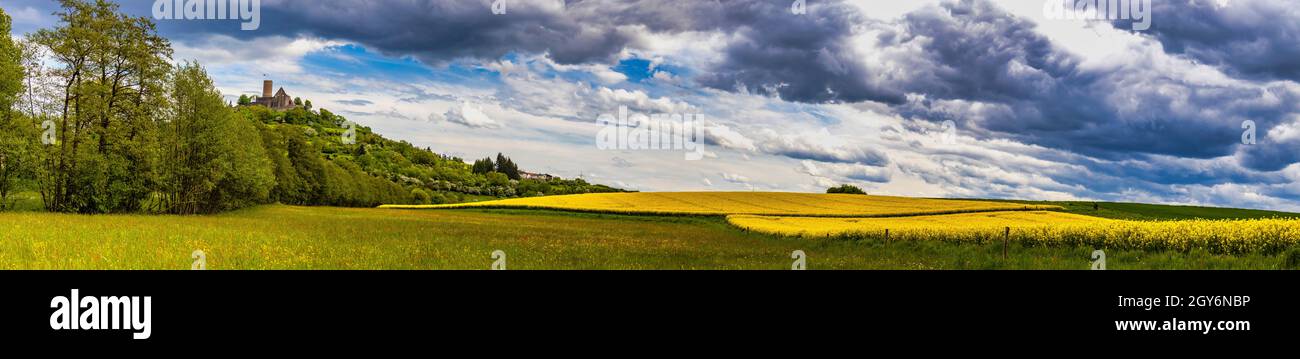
(735, 178)
(470, 115)
(819, 146)
(727, 138)
(849, 171)
(1286, 132)
(526, 90)
(272, 55)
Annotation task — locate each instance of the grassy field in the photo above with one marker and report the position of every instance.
(1154, 212)
(755, 203)
(464, 237)
(285, 237)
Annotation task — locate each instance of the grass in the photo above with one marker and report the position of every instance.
(25, 202)
(1155, 212)
(286, 237)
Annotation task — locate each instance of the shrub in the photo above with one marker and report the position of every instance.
(846, 189)
(420, 196)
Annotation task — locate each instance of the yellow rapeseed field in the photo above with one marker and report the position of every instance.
(753, 203)
(820, 226)
(1049, 228)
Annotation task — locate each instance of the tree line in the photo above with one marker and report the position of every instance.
(503, 165)
(95, 117)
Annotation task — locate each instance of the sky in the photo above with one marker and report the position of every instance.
(965, 99)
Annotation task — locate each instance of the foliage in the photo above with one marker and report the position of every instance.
(846, 189)
(110, 74)
(507, 167)
(214, 162)
(11, 70)
(484, 166)
(17, 135)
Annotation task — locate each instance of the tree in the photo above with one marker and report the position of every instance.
(18, 148)
(420, 196)
(250, 177)
(507, 167)
(307, 166)
(216, 161)
(297, 101)
(846, 189)
(244, 100)
(498, 179)
(17, 135)
(110, 70)
(11, 69)
(307, 105)
(484, 166)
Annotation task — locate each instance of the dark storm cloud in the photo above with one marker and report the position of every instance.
(976, 51)
(801, 57)
(1258, 39)
(994, 75)
(439, 31)
(433, 31)
(1269, 155)
(977, 65)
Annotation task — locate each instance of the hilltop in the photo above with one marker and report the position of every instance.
(321, 158)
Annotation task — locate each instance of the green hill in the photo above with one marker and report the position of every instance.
(323, 159)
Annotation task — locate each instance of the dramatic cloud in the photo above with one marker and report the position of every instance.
(991, 73)
(800, 57)
(851, 91)
(1254, 38)
(442, 31)
(805, 58)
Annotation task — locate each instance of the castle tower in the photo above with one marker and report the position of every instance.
(266, 88)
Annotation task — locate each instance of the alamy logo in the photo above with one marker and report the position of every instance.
(102, 313)
(249, 11)
(349, 133)
(651, 132)
(1137, 10)
(47, 133)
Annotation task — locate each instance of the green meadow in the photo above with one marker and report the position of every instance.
(289, 237)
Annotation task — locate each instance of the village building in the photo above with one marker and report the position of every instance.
(536, 176)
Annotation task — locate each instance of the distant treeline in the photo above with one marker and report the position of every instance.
(114, 126)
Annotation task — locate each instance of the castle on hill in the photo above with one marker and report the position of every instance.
(280, 101)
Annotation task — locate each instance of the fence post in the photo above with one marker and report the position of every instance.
(1005, 239)
(886, 234)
